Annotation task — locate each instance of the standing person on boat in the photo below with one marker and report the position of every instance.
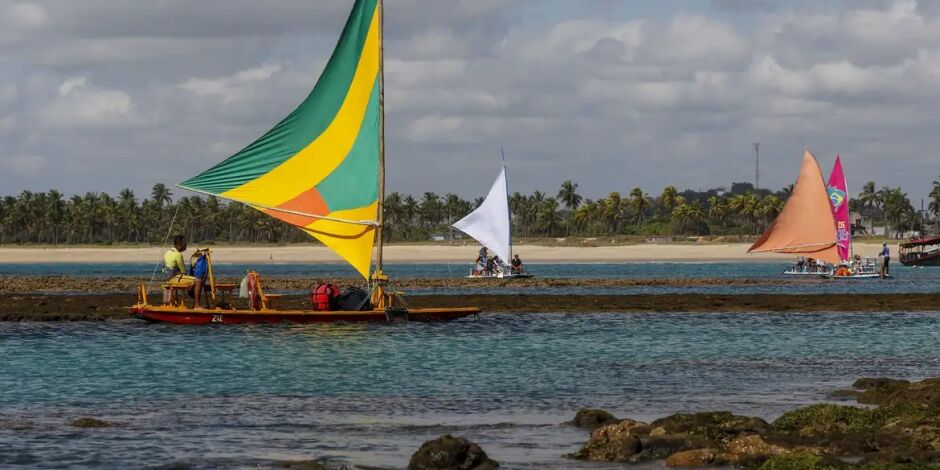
(479, 266)
(175, 269)
(801, 264)
(516, 265)
(886, 260)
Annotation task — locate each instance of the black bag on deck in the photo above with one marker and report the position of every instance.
(354, 298)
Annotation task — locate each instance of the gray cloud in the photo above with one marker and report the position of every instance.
(102, 94)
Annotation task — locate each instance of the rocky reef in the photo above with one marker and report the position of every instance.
(451, 453)
(900, 429)
(87, 422)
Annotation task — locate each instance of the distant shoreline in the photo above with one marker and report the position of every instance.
(417, 254)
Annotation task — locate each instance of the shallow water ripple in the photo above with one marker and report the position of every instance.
(369, 395)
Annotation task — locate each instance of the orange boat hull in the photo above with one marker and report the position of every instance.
(183, 316)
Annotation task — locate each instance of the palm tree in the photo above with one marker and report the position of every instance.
(769, 208)
(897, 208)
(667, 199)
(687, 216)
(430, 210)
(548, 217)
(127, 201)
(55, 213)
(717, 210)
(585, 215)
(612, 212)
(870, 200)
(568, 195)
(745, 206)
(454, 207)
(934, 206)
(639, 203)
(161, 195)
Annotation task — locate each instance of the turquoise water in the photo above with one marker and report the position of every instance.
(368, 395)
(906, 280)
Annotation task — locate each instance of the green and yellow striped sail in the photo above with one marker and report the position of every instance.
(318, 169)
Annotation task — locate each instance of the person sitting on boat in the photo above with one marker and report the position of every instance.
(886, 260)
(478, 267)
(843, 271)
(490, 267)
(516, 265)
(175, 269)
(497, 265)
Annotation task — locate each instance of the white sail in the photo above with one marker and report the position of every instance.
(489, 223)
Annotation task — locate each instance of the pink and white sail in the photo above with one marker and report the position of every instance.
(839, 200)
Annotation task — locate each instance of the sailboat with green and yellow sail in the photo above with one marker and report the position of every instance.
(321, 169)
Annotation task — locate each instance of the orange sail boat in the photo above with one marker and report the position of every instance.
(321, 169)
(806, 225)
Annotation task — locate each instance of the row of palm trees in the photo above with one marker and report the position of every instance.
(893, 206)
(51, 218)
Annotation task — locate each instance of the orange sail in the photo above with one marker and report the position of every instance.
(805, 225)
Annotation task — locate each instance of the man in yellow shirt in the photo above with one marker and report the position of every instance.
(175, 269)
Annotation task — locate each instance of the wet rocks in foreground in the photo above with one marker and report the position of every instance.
(302, 465)
(451, 453)
(592, 418)
(902, 431)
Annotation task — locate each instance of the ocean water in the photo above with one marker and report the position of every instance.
(906, 279)
(367, 396)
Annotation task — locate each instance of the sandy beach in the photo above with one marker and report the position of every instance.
(647, 252)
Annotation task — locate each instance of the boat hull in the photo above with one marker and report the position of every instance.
(180, 316)
(927, 260)
(504, 276)
(855, 276)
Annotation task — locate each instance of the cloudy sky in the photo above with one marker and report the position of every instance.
(98, 95)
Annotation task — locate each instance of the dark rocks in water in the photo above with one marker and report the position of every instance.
(827, 418)
(804, 460)
(16, 425)
(591, 419)
(90, 423)
(697, 458)
(902, 431)
(451, 453)
(302, 465)
(658, 447)
(867, 383)
(718, 426)
(618, 442)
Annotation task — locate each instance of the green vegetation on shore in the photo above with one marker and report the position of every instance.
(741, 212)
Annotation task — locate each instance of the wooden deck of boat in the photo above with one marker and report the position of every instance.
(184, 316)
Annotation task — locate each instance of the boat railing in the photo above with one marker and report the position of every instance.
(797, 268)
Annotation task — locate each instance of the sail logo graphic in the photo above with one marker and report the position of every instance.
(836, 196)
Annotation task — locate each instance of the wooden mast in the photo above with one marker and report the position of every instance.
(379, 279)
(381, 201)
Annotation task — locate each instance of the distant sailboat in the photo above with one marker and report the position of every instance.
(489, 224)
(806, 225)
(839, 198)
(852, 267)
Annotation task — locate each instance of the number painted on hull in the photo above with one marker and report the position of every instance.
(216, 318)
